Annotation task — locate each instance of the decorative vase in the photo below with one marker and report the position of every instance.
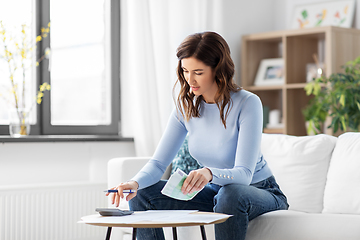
(19, 124)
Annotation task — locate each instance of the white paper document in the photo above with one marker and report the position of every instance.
(173, 186)
(175, 216)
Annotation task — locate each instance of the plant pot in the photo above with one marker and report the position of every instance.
(19, 124)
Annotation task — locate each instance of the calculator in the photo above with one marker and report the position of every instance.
(113, 212)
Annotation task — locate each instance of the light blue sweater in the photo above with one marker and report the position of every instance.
(233, 154)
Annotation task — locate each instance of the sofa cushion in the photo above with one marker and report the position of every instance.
(342, 193)
(293, 225)
(300, 166)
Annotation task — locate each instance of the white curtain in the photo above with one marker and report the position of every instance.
(151, 30)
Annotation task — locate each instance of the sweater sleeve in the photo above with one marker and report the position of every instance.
(248, 146)
(170, 143)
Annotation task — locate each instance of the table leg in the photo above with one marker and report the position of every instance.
(108, 233)
(134, 234)
(203, 232)
(174, 233)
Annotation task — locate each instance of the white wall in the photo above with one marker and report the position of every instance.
(241, 17)
(54, 162)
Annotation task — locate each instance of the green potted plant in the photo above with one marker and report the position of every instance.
(337, 97)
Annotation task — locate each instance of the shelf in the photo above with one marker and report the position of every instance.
(274, 130)
(295, 85)
(264, 88)
(316, 32)
(334, 46)
(277, 87)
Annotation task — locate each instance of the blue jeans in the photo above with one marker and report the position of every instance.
(244, 202)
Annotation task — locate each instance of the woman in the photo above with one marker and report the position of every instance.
(224, 124)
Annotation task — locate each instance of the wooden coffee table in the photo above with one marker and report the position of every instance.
(155, 224)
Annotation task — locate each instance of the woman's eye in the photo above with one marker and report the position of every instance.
(199, 74)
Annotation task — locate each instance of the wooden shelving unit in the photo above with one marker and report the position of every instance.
(296, 47)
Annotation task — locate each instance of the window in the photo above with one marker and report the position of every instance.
(82, 67)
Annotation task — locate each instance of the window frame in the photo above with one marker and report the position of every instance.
(43, 125)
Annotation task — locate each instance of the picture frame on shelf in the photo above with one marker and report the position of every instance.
(270, 72)
(338, 13)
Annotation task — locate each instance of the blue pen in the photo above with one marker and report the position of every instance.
(115, 190)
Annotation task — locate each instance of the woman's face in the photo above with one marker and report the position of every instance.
(200, 77)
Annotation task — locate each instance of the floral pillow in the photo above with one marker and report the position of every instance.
(184, 160)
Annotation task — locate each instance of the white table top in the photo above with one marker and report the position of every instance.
(156, 219)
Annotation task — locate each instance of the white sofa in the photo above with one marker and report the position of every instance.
(319, 174)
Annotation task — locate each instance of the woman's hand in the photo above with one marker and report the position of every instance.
(115, 197)
(196, 180)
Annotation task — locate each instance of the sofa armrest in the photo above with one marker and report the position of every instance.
(124, 168)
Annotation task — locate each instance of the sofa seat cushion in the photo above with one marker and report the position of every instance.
(300, 166)
(285, 225)
(342, 193)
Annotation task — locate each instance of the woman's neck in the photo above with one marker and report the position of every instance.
(209, 97)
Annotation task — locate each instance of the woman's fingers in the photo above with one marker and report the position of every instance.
(187, 183)
(115, 197)
(130, 196)
(112, 196)
(198, 185)
(194, 182)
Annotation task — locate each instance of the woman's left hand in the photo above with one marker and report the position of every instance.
(196, 180)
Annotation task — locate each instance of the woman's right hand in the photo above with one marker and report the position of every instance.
(115, 197)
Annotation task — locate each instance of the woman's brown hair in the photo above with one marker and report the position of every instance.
(213, 51)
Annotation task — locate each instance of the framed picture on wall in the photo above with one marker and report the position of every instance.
(270, 72)
(330, 13)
